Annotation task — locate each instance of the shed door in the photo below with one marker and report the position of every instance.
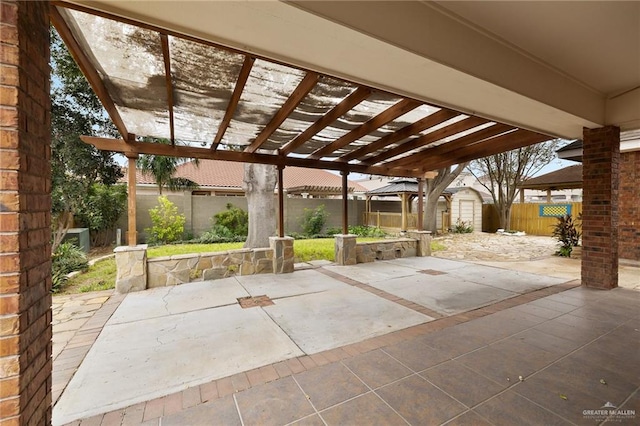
(466, 211)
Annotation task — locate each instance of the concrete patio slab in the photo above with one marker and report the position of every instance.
(510, 280)
(446, 294)
(435, 263)
(376, 271)
(301, 282)
(136, 361)
(157, 302)
(330, 319)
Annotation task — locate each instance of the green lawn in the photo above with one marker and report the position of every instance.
(99, 276)
(102, 275)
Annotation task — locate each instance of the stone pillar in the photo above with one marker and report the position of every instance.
(25, 218)
(283, 256)
(424, 242)
(131, 264)
(345, 249)
(600, 176)
(629, 226)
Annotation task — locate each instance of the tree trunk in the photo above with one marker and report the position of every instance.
(431, 212)
(259, 183)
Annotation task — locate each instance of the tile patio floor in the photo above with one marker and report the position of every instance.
(576, 349)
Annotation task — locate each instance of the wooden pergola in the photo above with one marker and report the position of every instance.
(213, 102)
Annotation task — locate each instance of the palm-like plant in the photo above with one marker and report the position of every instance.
(163, 169)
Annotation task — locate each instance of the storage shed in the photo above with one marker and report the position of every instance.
(463, 203)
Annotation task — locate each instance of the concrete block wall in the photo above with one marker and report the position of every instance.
(25, 205)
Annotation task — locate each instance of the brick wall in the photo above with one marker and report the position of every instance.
(601, 156)
(25, 203)
(629, 225)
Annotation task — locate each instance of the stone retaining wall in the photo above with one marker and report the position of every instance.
(180, 269)
(385, 250)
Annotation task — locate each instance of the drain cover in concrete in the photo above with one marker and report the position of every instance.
(432, 272)
(252, 302)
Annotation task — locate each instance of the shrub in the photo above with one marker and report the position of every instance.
(101, 209)
(66, 259)
(313, 220)
(566, 233)
(462, 227)
(168, 225)
(230, 222)
(367, 231)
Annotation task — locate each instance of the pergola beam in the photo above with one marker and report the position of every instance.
(235, 99)
(306, 85)
(164, 39)
(473, 138)
(390, 114)
(407, 131)
(119, 145)
(513, 140)
(447, 131)
(360, 94)
(89, 71)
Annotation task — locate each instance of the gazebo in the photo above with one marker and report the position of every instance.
(404, 188)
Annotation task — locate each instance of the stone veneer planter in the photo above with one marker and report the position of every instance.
(180, 269)
(385, 250)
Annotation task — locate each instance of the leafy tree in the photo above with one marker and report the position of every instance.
(434, 188)
(103, 205)
(501, 173)
(75, 166)
(163, 169)
(167, 223)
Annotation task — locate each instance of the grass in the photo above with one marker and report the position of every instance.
(305, 250)
(174, 249)
(437, 246)
(100, 276)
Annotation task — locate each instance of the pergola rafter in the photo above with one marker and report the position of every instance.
(235, 99)
(325, 122)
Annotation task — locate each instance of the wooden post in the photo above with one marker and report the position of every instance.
(378, 221)
(132, 234)
(280, 202)
(548, 196)
(404, 211)
(420, 204)
(521, 195)
(345, 204)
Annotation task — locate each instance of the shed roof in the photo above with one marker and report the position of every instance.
(213, 102)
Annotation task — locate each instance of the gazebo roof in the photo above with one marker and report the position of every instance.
(213, 102)
(398, 186)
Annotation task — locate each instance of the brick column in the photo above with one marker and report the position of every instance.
(601, 155)
(629, 230)
(25, 205)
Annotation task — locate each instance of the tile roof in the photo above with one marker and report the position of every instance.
(227, 174)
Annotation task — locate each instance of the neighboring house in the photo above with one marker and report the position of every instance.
(224, 178)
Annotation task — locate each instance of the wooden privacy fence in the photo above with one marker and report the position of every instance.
(390, 220)
(526, 217)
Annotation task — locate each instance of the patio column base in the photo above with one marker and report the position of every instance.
(131, 264)
(283, 256)
(345, 249)
(423, 247)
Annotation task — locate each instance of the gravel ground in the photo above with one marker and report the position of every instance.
(496, 247)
